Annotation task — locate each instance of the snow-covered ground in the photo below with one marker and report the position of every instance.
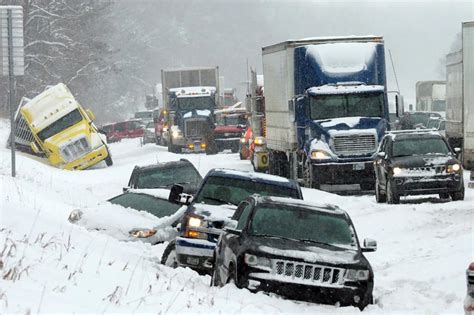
(49, 265)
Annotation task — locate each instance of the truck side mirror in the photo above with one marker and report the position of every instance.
(90, 114)
(370, 245)
(291, 110)
(178, 197)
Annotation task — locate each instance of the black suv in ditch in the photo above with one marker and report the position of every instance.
(417, 162)
(296, 249)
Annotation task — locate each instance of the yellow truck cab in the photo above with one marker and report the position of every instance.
(64, 131)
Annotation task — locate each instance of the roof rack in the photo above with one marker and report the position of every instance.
(411, 131)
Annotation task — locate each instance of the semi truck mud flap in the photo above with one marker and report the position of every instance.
(260, 161)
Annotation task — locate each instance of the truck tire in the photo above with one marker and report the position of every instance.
(108, 159)
(458, 195)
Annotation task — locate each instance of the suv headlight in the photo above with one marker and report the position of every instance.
(253, 260)
(192, 228)
(397, 170)
(320, 155)
(356, 275)
(453, 168)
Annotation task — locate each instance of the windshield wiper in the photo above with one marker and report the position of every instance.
(275, 236)
(219, 200)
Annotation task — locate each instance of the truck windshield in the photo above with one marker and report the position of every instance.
(220, 190)
(346, 105)
(306, 225)
(62, 123)
(190, 103)
(231, 120)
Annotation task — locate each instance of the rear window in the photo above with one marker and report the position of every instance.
(155, 206)
(220, 190)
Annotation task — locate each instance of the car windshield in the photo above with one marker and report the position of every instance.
(419, 146)
(220, 190)
(59, 125)
(150, 125)
(190, 103)
(433, 123)
(346, 105)
(156, 206)
(307, 225)
(168, 176)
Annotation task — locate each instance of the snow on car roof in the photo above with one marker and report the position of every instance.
(254, 176)
(324, 207)
(344, 89)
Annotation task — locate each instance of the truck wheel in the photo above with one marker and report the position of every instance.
(169, 255)
(108, 159)
(392, 195)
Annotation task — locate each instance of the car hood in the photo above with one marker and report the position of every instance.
(416, 161)
(308, 252)
(117, 221)
(213, 213)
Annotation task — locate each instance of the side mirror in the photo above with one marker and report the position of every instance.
(125, 189)
(370, 245)
(381, 154)
(90, 114)
(178, 197)
(232, 231)
(34, 147)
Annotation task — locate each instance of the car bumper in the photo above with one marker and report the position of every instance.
(345, 295)
(428, 185)
(227, 143)
(344, 173)
(195, 253)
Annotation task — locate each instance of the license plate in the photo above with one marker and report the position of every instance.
(192, 260)
(358, 166)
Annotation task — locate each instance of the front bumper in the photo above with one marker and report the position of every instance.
(344, 295)
(91, 158)
(195, 253)
(428, 185)
(227, 143)
(343, 173)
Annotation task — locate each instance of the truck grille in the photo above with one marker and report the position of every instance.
(354, 144)
(195, 128)
(314, 274)
(75, 149)
(228, 135)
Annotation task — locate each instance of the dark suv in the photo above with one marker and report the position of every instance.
(297, 249)
(212, 209)
(165, 175)
(416, 163)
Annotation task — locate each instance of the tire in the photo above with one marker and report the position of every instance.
(379, 196)
(169, 256)
(108, 160)
(157, 140)
(392, 195)
(232, 278)
(363, 304)
(308, 176)
(444, 195)
(215, 279)
(235, 150)
(458, 195)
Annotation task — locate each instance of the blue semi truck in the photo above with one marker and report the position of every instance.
(326, 109)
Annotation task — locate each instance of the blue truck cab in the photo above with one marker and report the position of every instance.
(326, 109)
(212, 209)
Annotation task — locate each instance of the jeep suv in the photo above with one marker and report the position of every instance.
(295, 249)
(212, 209)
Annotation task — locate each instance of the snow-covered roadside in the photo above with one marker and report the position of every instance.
(60, 267)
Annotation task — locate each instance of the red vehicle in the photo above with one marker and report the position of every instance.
(230, 124)
(124, 129)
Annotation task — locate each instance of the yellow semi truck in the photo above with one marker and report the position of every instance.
(55, 125)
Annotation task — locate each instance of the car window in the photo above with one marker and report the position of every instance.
(120, 126)
(107, 128)
(150, 125)
(419, 146)
(134, 125)
(183, 174)
(220, 190)
(244, 216)
(155, 206)
(302, 224)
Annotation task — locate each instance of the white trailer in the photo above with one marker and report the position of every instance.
(468, 93)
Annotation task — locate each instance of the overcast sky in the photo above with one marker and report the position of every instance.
(227, 32)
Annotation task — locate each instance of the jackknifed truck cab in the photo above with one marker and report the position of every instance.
(62, 130)
(326, 109)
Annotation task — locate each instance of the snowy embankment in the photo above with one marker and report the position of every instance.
(49, 265)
